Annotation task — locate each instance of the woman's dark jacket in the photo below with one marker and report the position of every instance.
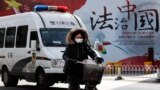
(77, 52)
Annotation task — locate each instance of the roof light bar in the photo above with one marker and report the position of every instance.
(50, 8)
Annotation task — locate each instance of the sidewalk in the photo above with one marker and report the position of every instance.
(108, 83)
(128, 83)
(131, 78)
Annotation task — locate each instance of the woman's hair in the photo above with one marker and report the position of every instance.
(75, 31)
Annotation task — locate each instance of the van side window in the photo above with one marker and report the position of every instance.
(10, 37)
(21, 36)
(2, 33)
(34, 36)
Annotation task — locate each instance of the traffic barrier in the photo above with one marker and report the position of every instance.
(158, 75)
(119, 77)
(149, 71)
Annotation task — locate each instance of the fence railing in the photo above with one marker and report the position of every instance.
(148, 71)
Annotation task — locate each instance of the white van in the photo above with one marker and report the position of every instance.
(32, 44)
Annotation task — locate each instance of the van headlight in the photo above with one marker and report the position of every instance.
(58, 63)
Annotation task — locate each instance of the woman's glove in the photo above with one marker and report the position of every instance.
(99, 60)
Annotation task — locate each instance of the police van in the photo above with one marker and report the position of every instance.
(32, 44)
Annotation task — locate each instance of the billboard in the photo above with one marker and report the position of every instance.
(128, 30)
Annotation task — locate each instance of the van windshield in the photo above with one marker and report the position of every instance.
(54, 36)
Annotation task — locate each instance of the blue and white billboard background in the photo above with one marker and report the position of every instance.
(130, 26)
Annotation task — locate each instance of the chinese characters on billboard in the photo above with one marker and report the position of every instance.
(126, 29)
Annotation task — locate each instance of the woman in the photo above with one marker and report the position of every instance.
(77, 50)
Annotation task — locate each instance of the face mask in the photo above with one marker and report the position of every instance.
(78, 40)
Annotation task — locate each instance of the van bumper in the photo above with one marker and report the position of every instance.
(56, 77)
(55, 74)
(54, 70)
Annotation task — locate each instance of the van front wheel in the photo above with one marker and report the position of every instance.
(9, 80)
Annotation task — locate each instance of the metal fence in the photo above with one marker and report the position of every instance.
(147, 71)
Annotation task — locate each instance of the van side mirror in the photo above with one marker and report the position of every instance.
(33, 45)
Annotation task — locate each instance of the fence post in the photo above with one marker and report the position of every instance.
(158, 75)
(119, 77)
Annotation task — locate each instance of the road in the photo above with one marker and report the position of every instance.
(108, 83)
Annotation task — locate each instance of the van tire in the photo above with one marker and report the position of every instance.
(41, 79)
(8, 80)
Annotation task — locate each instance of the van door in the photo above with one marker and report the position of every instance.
(9, 46)
(33, 36)
(18, 53)
(2, 35)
